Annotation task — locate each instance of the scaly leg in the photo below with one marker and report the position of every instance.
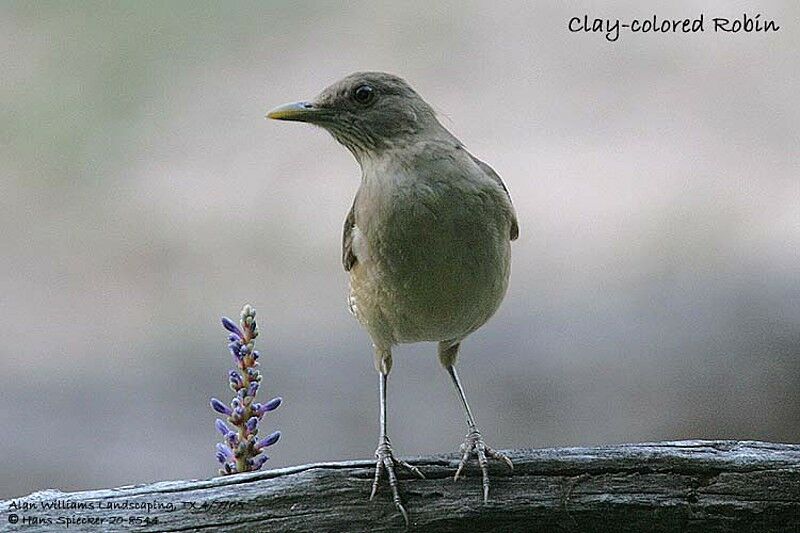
(473, 443)
(386, 460)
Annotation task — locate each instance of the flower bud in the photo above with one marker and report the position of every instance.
(231, 326)
(221, 427)
(220, 407)
(269, 440)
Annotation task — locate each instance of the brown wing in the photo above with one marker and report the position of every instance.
(489, 171)
(348, 257)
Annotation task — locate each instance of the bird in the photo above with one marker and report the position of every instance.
(426, 242)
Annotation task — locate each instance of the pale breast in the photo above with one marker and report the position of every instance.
(433, 256)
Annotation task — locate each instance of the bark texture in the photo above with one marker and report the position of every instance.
(686, 486)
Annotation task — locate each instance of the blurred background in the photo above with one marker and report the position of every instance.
(655, 291)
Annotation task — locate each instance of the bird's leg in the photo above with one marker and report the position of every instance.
(473, 443)
(386, 460)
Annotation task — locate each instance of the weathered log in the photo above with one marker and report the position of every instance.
(686, 486)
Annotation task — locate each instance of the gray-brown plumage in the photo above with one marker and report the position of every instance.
(426, 241)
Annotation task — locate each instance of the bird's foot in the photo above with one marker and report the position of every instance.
(387, 462)
(474, 444)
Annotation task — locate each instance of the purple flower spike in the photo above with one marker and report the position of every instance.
(269, 440)
(231, 326)
(221, 427)
(220, 407)
(240, 449)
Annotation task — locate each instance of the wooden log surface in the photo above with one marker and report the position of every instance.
(686, 486)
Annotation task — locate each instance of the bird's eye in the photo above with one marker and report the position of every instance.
(364, 94)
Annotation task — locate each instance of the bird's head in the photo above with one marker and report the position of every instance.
(367, 112)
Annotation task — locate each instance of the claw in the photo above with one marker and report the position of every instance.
(376, 481)
(387, 462)
(473, 443)
(494, 454)
(411, 468)
(464, 458)
(484, 464)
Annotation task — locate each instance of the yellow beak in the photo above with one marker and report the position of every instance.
(298, 111)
